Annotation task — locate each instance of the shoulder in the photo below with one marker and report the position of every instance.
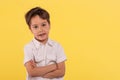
(55, 44)
(28, 45)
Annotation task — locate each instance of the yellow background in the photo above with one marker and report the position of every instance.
(89, 31)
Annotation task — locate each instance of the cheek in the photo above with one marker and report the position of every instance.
(47, 31)
(48, 27)
(34, 32)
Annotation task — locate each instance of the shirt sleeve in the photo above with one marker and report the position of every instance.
(28, 55)
(60, 54)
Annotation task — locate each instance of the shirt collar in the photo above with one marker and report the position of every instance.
(38, 44)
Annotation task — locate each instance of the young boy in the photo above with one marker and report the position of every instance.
(44, 58)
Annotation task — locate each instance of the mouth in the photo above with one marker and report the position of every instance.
(42, 34)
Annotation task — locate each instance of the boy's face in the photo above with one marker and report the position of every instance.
(40, 28)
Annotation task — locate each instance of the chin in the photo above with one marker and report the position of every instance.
(43, 39)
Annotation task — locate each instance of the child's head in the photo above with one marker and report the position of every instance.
(39, 23)
(37, 11)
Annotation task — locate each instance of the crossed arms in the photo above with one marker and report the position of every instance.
(49, 71)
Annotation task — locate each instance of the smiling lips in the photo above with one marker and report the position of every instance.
(42, 34)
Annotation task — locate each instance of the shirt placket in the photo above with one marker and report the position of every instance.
(44, 53)
(45, 59)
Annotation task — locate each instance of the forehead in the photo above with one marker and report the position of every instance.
(37, 19)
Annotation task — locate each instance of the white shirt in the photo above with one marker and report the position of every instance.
(43, 55)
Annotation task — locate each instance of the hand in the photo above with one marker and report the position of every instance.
(33, 63)
(55, 63)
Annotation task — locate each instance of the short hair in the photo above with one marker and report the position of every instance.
(42, 13)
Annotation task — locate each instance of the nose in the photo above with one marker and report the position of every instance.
(40, 29)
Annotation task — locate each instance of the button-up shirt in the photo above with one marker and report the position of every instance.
(43, 54)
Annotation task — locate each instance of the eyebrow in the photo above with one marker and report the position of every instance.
(44, 22)
(34, 25)
(38, 24)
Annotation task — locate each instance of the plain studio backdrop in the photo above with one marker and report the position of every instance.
(88, 30)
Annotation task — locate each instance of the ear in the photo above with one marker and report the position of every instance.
(30, 29)
(49, 26)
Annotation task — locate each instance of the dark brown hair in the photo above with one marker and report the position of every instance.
(37, 11)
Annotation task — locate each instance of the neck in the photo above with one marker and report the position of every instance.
(42, 41)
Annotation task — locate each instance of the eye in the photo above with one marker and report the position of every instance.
(43, 24)
(35, 26)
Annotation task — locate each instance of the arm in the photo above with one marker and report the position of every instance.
(35, 71)
(57, 73)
